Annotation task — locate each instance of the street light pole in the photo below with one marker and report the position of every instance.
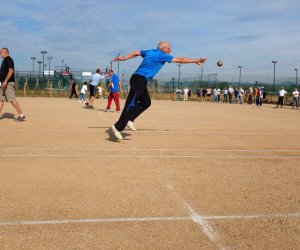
(62, 66)
(274, 62)
(33, 58)
(201, 75)
(179, 65)
(240, 75)
(39, 62)
(118, 64)
(49, 58)
(43, 53)
(296, 77)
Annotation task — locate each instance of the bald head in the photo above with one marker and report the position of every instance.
(164, 46)
(4, 52)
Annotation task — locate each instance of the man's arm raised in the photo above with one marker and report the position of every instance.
(129, 56)
(184, 60)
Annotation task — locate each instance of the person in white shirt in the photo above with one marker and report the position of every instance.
(216, 93)
(185, 94)
(240, 94)
(230, 94)
(219, 93)
(208, 94)
(281, 94)
(295, 98)
(83, 92)
(225, 92)
(250, 95)
(100, 92)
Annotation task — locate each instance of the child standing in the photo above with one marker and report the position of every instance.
(83, 93)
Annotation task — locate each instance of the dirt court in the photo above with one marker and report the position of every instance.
(194, 176)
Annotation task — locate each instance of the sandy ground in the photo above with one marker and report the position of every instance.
(194, 176)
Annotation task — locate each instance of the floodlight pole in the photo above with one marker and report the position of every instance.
(39, 62)
(240, 67)
(296, 77)
(179, 65)
(33, 58)
(49, 58)
(274, 62)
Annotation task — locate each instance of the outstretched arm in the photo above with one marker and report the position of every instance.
(129, 56)
(183, 60)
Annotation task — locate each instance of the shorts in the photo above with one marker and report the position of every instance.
(9, 94)
(92, 90)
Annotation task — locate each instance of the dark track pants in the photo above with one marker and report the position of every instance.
(137, 102)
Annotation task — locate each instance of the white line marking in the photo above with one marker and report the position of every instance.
(154, 156)
(257, 216)
(149, 219)
(197, 218)
(107, 220)
(158, 149)
(151, 131)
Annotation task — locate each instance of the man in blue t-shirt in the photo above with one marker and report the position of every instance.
(114, 86)
(138, 99)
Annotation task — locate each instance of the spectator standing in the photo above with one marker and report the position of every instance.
(208, 94)
(216, 94)
(219, 93)
(185, 94)
(225, 92)
(189, 94)
(281, 95)
(250, 95)
(230, 94)
(204, 94)
(240, 94)
(295, 98)
(199, 94)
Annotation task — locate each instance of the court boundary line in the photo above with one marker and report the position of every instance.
(154, 156)
(193, 216)
(157, 149)
(154, 131)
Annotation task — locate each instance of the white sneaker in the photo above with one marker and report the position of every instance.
(116, 133)
(130, 125)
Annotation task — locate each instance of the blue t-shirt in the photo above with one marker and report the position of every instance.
(114, 79)
(153, 61)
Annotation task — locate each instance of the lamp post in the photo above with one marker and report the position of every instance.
(296, 77)
(39, 62)
(240, 67)
(33, 58)
(274, 62)
(62, 66)
(201, 76)
(179, 65)
(118, 64)
(49, 58)
(43, 53)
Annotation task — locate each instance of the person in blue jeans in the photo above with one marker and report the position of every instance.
(138, 99)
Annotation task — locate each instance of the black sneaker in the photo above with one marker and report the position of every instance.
(21, 118)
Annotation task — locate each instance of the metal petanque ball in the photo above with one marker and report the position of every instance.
(220, 63)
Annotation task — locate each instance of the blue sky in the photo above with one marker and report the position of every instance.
(88, 34)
